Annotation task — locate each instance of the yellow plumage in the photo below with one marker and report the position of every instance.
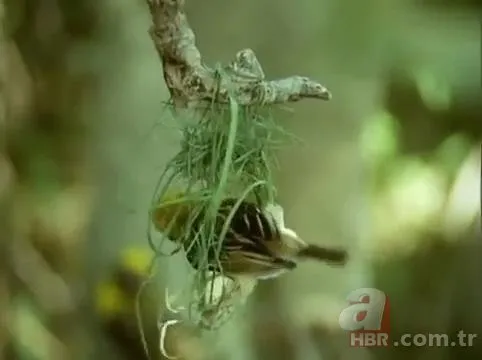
(172, 214)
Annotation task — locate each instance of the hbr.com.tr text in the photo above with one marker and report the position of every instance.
(374, 339)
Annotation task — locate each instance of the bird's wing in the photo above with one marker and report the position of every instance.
(249, 222)
(250, 245)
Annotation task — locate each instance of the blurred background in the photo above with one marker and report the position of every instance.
(390, 168)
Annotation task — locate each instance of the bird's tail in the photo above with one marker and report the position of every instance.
(331, 255)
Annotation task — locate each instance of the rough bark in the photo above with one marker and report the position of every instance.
(190, 81)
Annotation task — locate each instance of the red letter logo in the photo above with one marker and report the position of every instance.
(366, 317)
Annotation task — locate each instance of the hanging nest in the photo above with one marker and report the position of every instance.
(228, 151)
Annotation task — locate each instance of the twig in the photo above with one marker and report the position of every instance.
(189, 80)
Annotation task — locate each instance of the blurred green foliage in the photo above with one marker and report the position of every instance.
(387, 168)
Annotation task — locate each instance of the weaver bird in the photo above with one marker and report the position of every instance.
(256, 242)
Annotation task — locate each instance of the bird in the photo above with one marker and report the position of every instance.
(256, 242)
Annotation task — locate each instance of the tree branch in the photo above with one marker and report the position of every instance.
(189, 80)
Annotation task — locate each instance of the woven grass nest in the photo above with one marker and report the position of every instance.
(226, 151)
